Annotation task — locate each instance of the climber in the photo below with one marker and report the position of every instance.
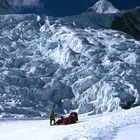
(52, 117)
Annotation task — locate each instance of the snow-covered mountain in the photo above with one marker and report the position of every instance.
(102, 6)
(69, 63)
(5, 7)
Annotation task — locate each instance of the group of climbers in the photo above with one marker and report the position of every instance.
(72, 118)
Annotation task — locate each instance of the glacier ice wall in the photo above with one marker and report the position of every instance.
(70, 63)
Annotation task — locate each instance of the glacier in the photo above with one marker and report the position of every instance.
(68, 63)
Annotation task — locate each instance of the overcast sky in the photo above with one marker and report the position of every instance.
(67, 7)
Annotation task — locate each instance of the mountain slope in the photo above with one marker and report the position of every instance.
(128, 22)
(5, 8)
(102, 6)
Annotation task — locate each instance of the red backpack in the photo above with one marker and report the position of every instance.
(75, 114)
(66, 121)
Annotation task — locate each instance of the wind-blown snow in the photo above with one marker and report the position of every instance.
(98, 127)
(70, 63)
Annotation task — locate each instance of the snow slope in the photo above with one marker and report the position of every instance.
(102, 6)
(98, 127)
(129, 133)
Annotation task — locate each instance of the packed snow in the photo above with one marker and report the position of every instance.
(131, 132)
(92, 127)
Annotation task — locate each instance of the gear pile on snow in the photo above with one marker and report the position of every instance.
(72, 118)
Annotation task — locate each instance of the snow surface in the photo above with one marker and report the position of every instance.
(131, 132)
(97, 127)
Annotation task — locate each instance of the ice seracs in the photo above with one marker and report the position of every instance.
(68, 63)
(103, 6)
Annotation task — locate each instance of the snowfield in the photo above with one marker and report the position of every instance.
(93, 127)
(131, 132)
